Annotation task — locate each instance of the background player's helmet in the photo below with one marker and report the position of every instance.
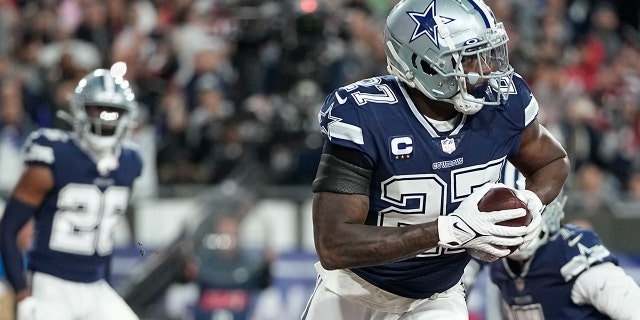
(103, 108)
(426, 42)
(552, 216)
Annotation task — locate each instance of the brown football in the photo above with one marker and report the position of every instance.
(502, 198)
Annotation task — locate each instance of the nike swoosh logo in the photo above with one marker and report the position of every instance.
(340, 99)
(575, 240)
(455, 225)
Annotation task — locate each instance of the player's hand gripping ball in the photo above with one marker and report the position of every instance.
(503, 198)
(499, 198)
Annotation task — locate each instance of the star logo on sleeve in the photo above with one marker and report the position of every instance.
(326, 119)
(585, 258)
(426, 23)
(335, 127)
(594, 253)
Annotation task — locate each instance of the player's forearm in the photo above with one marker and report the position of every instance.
(343, 241)
(12, 262)
(15, 216)
(363, 245)
(547, 181)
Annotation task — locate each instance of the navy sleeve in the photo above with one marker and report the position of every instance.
(16, 215)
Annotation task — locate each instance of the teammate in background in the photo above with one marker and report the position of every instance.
(77, 186)
(407, 156)
(566, 273)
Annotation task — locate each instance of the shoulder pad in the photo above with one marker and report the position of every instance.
(39, 145)
(583, 249)
(128, 144)
(521, 100)
(48, 134)
(339, 119)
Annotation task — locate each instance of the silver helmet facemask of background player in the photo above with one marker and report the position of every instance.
(104, 110)
(552, 216)
(426, 42)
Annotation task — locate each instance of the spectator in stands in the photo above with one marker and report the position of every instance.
(595, 192)
(15, 127)
(629, 206)
(208, 128)
(174, 159)
(228, 275)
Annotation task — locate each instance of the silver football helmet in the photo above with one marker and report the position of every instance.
(104, 111)
(440, 46)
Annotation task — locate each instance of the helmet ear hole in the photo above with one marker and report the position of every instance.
(414, 58)
(424, 65)
(427, 68)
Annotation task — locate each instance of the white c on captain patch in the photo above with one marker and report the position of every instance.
(401, 146)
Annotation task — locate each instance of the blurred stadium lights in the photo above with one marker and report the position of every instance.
(308, 6)
(248, 10)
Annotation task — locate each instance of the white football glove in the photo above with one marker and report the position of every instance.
(535, 206)
(26, 309)
(469, 228)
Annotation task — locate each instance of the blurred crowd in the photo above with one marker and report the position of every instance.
(225, 82)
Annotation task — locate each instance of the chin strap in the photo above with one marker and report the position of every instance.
(103, 152)
(107, 164)
(466, 103)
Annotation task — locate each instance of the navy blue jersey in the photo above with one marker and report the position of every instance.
(419, 172)
(75, 222)
(543, 289)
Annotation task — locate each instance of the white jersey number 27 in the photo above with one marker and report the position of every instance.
(430, 194)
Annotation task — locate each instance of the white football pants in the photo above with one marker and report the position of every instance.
(57, 299)
(361, 301)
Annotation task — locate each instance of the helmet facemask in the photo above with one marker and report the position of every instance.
(485, 66)
(105, 125)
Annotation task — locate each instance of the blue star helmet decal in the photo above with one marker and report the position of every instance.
(426, 23)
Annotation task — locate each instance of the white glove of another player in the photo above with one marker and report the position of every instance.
(26, 309)
(467, 227)
(535, 206)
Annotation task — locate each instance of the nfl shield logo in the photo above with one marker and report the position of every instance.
(519, 284)
(448, 145)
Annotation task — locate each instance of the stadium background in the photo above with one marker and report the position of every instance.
(230, 90)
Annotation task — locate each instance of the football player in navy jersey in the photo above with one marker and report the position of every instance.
(76, 186)
(407, 156)
(566, 273)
